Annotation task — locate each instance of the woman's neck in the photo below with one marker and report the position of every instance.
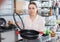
(32, 17)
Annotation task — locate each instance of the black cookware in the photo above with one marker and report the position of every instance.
(2, 22)
(29, 34)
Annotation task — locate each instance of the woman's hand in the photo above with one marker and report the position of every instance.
(10, 22)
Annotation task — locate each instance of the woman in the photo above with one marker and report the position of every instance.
(33, 20)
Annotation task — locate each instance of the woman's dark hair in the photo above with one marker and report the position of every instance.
(33, 4)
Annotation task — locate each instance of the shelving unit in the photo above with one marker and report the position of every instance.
(45, 7)
(47, 12)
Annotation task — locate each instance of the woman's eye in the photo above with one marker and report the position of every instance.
(31, 8)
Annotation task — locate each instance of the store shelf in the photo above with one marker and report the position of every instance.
(45, 4)
(49, 25)
(44, 0)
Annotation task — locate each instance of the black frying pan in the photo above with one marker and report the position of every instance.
(27, 34)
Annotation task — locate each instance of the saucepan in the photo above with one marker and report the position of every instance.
(2, 22)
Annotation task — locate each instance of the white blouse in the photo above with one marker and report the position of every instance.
(38, 24)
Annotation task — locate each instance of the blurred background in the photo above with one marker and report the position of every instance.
(50, 9)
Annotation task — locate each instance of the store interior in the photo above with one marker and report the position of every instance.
(49, 9)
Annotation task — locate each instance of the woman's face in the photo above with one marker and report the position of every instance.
(32, 9)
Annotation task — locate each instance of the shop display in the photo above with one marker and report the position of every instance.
(50, 9)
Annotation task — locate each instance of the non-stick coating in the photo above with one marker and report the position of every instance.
(29, 34)
(32, 32)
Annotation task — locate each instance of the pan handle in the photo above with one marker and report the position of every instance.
(41, 33)
(17, 32)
